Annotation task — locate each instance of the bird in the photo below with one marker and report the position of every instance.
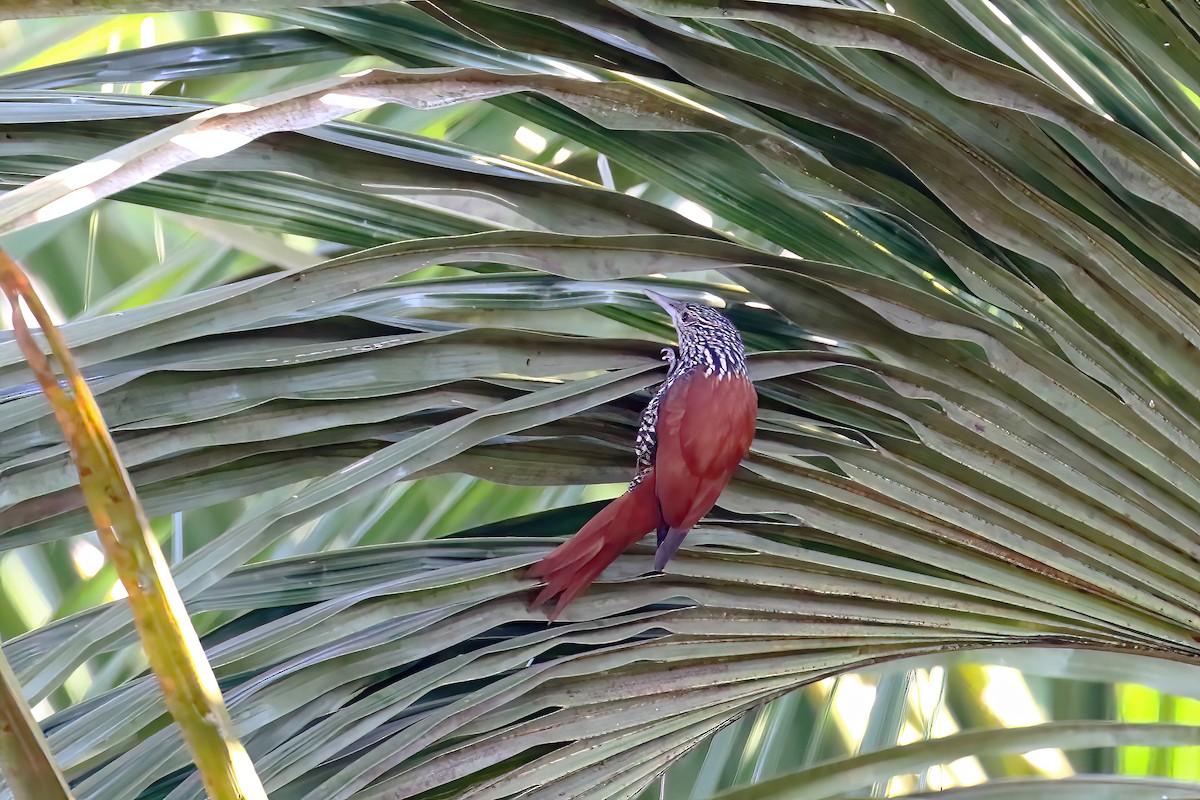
(694, 432)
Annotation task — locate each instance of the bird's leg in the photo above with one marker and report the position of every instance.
(670, 355)
(667, 545)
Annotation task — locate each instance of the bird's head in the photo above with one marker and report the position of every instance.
(707, 339)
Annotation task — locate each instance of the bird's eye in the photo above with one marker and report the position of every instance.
(686, 316)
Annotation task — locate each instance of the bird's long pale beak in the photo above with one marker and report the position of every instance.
(668, 305)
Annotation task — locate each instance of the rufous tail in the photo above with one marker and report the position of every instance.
(573, 565)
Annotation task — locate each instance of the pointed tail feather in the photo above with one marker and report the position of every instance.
(573, 565)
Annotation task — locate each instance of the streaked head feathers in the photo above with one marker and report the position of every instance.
(707, 340)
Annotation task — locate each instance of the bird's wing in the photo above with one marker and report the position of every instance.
(705, 426)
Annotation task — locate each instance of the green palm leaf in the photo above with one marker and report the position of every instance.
(960, 239)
